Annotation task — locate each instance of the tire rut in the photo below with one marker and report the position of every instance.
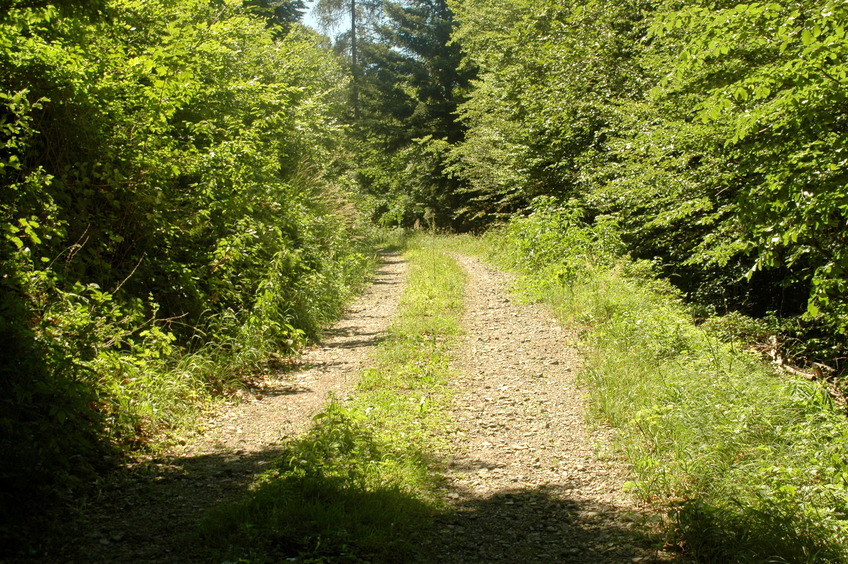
(526, 483)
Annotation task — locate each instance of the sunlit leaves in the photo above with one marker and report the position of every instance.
(784, 104)
(551, 77)
(715, 132)
(160, 166)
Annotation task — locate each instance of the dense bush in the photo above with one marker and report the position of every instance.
(166, 219)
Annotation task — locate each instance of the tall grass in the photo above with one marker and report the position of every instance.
(751, 465)
(357, 484)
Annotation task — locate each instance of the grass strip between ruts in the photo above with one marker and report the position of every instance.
(365, 476)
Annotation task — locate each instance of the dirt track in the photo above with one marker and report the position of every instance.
(529, 481)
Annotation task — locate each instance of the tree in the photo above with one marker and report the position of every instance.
(412, 84)
(280, 14)
(552, 75)
(773, 79)
(431, 65)
(714, 133)
(330, 14)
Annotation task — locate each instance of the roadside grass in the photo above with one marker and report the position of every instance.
(363, 479)
(750, 465)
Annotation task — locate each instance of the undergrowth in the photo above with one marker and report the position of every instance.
(159, 238)
(750, 465)
(358, 484)
(120, 386)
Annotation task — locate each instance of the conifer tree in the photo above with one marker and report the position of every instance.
(331, 14)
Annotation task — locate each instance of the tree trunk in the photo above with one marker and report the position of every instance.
(354, 63)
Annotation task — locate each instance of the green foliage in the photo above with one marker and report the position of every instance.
(773, 77)
(360, 482)
(168, 218)
(552, 75)
(750, 466)
(409, 185)
(557, 240)
(712, 134)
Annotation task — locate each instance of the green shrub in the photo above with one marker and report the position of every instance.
(167, 220)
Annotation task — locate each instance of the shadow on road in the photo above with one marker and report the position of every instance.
(342, 341)
(150, 514)
(540, 524)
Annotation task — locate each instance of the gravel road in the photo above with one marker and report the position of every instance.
(529, 480)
